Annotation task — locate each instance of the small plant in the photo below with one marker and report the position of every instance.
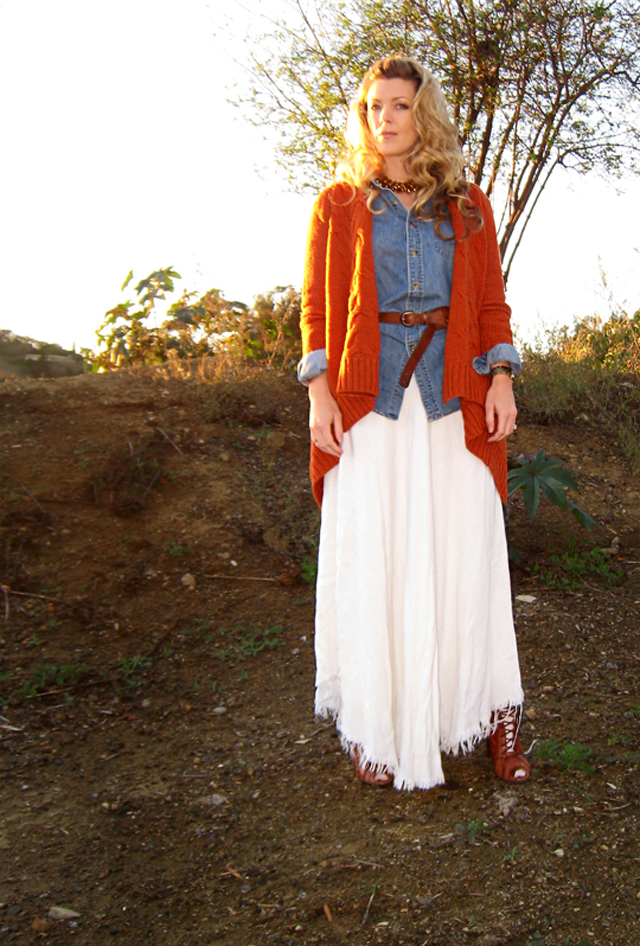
(471, 830)
(570, 755)
(573, 567)
(129, 668)
(250, 644)
(49, 674)
(310, 570)
(176, 549)
(545, 474)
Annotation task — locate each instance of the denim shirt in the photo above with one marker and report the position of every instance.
(413, 269)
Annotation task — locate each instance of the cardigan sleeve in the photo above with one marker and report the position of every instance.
(314, 303)
(495, 315)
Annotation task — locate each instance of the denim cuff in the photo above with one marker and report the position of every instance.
(312, 365)
(501, 352)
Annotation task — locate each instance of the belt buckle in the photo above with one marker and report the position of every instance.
(402, 318)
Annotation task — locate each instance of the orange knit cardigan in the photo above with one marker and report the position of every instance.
(340, 314)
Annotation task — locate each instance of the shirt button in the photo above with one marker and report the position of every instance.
(411, 347)
(395, 203)
(416, 285)
(414, 252)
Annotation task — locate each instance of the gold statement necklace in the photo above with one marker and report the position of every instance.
(398, 187)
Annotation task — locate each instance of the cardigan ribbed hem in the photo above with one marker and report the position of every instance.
(359, 375)
(458, 381)
(494, 455)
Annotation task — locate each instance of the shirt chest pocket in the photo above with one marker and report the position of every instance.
(444, 246)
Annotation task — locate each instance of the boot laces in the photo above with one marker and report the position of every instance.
(510, 721)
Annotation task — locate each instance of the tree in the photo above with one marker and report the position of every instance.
(532, 87)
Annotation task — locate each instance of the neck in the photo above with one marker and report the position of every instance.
(394, 168)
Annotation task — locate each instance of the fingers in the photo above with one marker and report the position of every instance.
(325, 436)
(326, 431)
(502, 426)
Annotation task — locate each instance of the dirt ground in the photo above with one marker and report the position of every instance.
(162, 774)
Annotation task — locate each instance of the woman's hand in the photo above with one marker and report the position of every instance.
(500, 408)
(325, 417)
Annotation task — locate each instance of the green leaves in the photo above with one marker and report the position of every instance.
(546, 474)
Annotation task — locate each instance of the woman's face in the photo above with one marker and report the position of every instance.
(389, 116)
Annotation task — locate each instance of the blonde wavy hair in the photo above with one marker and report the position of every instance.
(435, 162)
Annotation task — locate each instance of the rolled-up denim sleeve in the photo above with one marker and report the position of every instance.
(312, 365)
(501, 352)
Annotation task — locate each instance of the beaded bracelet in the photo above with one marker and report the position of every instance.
(501, 369)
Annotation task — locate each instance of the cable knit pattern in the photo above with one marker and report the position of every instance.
(340, 314)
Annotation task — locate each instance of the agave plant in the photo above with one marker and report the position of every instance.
(541, 473)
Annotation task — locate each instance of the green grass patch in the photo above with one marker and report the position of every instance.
(52, 676)
(572, 568)
(243, 642)
(568, 755)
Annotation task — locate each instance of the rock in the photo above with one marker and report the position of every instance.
(219, 710)
(559, 852)
(189, 582)
(41, 926)
(61, 913)
(214, 800)
(526, 599)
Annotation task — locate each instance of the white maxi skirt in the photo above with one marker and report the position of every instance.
(415, 644)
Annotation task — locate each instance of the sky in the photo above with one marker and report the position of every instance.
(121, 152)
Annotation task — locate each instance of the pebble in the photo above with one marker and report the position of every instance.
(219, 710)
(61, 913)
(526, 599)
(214, 800)
(559, 852)
(188, 581)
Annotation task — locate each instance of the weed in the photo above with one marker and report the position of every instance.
(510, 856)
(128, 667)
(53, 623)
(177, 550)
(6, 676)
(470, 830)
(250, 644)
(48, 675)
(572, 568)
(169, 649)
(310, 570)
(620, 739)
(633, 758)
(570, 755)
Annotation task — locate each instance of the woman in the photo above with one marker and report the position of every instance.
(408, 360)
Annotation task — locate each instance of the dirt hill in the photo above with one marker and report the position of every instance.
(162, 773)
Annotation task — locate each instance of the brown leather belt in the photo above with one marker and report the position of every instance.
(435, 319)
